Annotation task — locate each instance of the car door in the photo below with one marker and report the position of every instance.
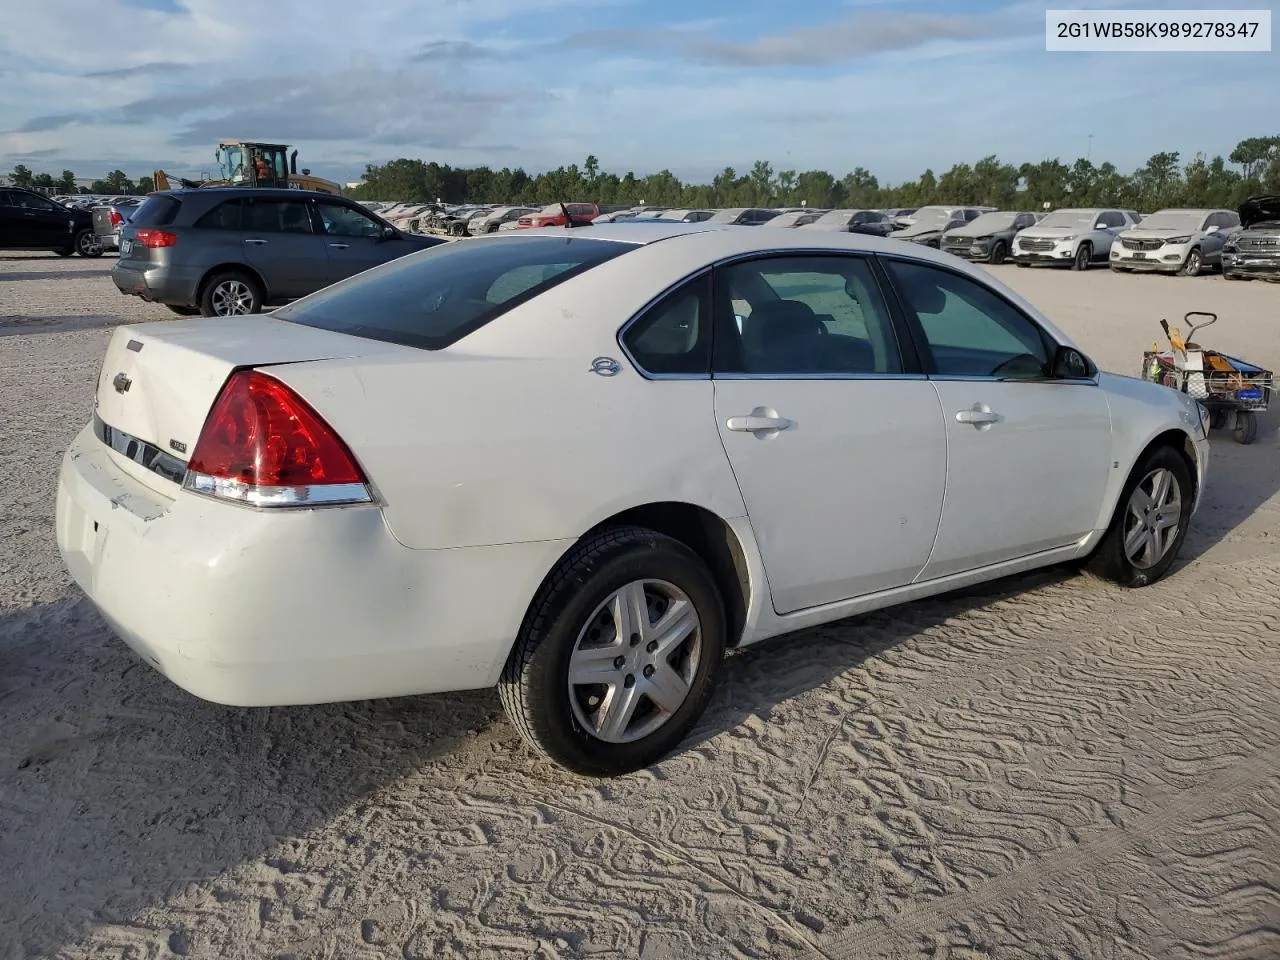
(1113, 222)
(280, 242)
(10, 220)
(1212, 240)
(40, 223)
(354, 240)
(1029, 456)
(835, 438)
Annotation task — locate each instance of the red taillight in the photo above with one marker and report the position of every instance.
(263, 444)
(114, 217)
(155, 238)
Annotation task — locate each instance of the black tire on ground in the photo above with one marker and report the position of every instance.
(1084, 254)
(998, 253)
(220, 290)
(1246, 429)
(534, 688)
(184, 311)
(65, 251)
(1109, 559)
(87, 244)
(1194, 264)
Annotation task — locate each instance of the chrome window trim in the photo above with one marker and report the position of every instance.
(141, 452)
(819, 376)
(1078, 381)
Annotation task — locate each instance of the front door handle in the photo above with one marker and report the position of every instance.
(256, 242)
(762, 422)
(340, 246)
(980, 415)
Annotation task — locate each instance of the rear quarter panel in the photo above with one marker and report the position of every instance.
(507, 436)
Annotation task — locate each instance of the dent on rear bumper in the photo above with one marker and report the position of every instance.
(255, 608)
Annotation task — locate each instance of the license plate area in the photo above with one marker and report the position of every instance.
(126, 247)
(1139, 255)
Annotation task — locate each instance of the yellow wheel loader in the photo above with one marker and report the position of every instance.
(242, 163)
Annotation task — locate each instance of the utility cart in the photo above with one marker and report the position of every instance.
(1234, 391)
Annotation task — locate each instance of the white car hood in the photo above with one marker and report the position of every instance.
(1054, 233)
(1140, 234)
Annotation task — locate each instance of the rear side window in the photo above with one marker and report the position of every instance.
(432, 299)
(225, 216)
(158, 211)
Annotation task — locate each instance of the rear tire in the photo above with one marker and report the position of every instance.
(87, 244)
(1084, 254)
(1246, 429)
(573, 623)
(1138, 518)
(231, 293)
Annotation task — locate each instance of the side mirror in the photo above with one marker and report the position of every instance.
(389, 232)
(1070, 364)
(1213, 229)
(1100, 225)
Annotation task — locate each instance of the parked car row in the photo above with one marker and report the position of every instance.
(32, 221)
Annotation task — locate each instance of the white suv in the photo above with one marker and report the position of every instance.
(1073, 237)
(1176, 241)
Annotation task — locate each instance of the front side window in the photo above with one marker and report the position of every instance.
(674, 335)
(342, 221)
(31, 201)
(276, 216)
(435, 298)
(970, 331)
(803, 316)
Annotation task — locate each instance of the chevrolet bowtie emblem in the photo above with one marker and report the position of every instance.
(122, 383)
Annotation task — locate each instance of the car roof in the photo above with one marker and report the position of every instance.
(275, 193)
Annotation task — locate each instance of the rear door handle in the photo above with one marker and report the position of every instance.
(256, 242)
(340, 246)
(761, 421)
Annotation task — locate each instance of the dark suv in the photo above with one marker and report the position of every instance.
(221, 251)
(29, 221)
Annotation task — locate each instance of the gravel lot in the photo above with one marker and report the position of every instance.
(1047, 767)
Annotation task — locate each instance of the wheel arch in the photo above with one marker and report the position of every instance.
(233, 266)
(705, 533)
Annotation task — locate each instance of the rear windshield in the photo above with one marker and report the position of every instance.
(435, 298)
(158, 211)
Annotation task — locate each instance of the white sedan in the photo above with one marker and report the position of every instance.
(580, 463)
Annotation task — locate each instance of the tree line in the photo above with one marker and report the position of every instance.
(115, 183)
(1251, 168)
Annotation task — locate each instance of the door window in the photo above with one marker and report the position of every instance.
(277, 216)
(803, 316)
(342, 221)
(1112, 218)
(30, 201)
(970, 331)
(225, 216)
(674, 335)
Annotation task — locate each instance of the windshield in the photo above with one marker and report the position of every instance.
(231, 163)
(835, 216)
(1069, 218)
(928, 219)
(991, 222)
(434, 298)
(1173, 220)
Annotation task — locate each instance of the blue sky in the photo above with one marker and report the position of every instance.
(891, 85)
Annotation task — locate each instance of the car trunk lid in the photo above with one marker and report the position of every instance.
(159, 381)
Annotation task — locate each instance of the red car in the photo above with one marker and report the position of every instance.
(553, 216)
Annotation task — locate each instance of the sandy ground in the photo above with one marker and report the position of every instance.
(1050, 767)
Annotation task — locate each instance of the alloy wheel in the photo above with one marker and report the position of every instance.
(232, 298)
(634, 662)
(1152, 519)
(88, 245)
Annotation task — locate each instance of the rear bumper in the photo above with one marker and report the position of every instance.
(258, 608)
(161, 283)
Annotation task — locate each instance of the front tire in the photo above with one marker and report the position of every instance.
(998, 253)
(1150, 522)
(232, 293)
(1084, 254)
(1194, 263)
(618, 655)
